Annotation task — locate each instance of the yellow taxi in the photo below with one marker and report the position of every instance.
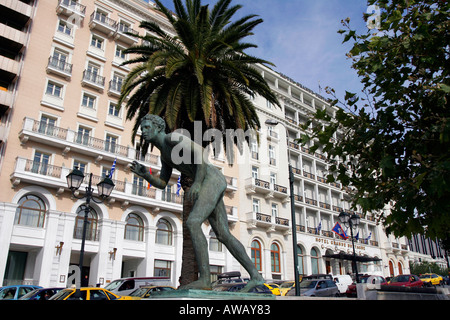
(431, 279)
(88, 293)
(273, 288)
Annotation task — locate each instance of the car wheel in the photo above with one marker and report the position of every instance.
(337, 295)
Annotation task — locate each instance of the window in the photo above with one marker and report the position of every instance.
(275, 257)
(272, 157)
(97, 42)
(256, 254)
(80, 165)
(88, 101)
(83, 135)
(164, 232)
(65, 28)
(110, 143)
(113, 110)
(117, 81)
(91, 230)
(300, 260)
(256, 207)
(54, 89)
(274, 210)
(162, 268)
(41, 163)
(254, 149)
(134, 229)
(214, 243)
(314, 261)
(97, 295)
(47, 125)
(139, 188)
(30, 212)
(255, 173)
(120, 52)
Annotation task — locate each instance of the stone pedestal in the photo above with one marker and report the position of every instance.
(192, 294)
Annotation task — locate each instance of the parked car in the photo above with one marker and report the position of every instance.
(228, 277)
(41, 294)
(236, 287)
(285, 287)
(125, 286)
(343, 281)
(317, 288)
(406, 280)
(351, 290)
(431, 279)
(147, 291)
(88, 293)
(15, 292)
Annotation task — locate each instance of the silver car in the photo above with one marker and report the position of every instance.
(317, 288)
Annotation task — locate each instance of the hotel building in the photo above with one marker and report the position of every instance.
(60, 79)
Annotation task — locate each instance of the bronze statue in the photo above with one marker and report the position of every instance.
(207, 192)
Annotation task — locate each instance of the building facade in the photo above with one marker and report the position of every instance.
(61, 75)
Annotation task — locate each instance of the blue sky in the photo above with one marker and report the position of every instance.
(300, 37)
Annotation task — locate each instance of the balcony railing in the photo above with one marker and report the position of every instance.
(71, 6)
(93, 79)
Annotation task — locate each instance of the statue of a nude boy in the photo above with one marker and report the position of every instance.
(207, 191)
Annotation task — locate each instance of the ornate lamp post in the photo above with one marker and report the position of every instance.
(351, 221)
(105, 187)
(272, 122)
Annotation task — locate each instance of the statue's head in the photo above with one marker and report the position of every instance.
(156, 121)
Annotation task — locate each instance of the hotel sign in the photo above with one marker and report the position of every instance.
(340, 243)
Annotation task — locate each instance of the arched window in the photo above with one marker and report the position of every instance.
(134, 229)
(91, 228)
(31, 211)
(164, 232)
(275, 257)
(300, 259)
(256, 254)
(214, 243)
(400, 268)
(314, 261)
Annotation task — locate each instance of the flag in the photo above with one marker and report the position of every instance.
(357, 236)
(149, 185)
(370, 234)
(113, 168)
(319, 227)
(339, 231)
(178, 185)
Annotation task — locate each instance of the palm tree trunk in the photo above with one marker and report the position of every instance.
(189, 268)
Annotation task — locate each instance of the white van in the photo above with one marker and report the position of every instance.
(125, 286)
(343, 281)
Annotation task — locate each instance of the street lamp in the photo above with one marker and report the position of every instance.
(105, 187)
(272, 122)
(351, 221)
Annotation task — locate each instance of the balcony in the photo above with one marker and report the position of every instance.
(93, 80)
(68, 140)
(266, 222)
(253, 185)
(16, 11)
(9, 69)
(115, 88)
(126, 34)
(43, 174)
(102, 23)
(59, 67)
(70, 7)
(13, 40)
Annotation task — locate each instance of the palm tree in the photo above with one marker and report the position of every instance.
(198, 71)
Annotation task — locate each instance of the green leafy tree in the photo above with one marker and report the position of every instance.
(196, 71)
(393, 141)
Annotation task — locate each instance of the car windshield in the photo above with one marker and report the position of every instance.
(29, 294)
(287, 285)
(400, 279)
(139, 292)
(113, 285)
(425, 276)
(308, 284)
